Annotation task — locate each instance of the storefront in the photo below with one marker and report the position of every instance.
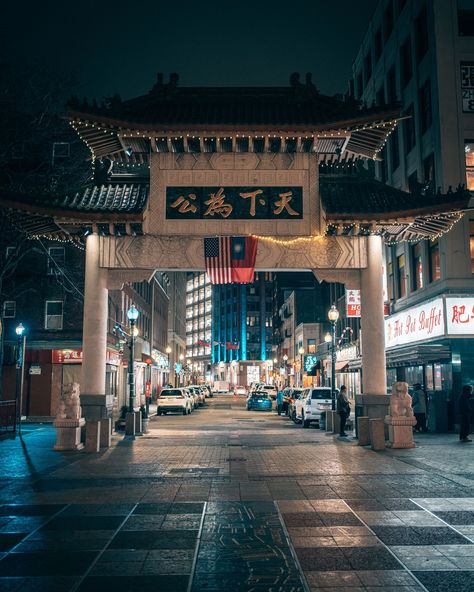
(431, 344)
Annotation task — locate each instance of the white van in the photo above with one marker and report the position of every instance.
(313, 402)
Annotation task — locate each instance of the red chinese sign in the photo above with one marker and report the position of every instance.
(353, 303)
(67, 356)
(460, 316)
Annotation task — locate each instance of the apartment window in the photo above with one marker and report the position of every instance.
(435, 267)
(469, 159)
(388, 20)
(53, 314)
(465, 18)
(426, 115)
(421, 32)
(10, 252)
(390, 281)
(394, 150)
(56, 259)
(9, 309)
(368, 67)
(429, 171)
(378, 44)
(401, 278)
(417, 266)
(406, 67)
(471, 243)
(391, 85)
(409, 131)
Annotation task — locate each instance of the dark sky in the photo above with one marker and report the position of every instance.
(119, 46)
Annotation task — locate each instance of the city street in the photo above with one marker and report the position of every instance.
(231, 500)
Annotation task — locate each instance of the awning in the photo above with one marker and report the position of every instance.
(417, 355)
(341, 365)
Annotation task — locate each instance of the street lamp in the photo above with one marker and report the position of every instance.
(168, 351)
(301, 352)
(181, 372)
(20, 331)
(132, 315)
(333, 315)
(285, 360)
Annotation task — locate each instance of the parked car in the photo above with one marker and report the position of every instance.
(290, 395)
(195, 393)
(270, 389)
(259, 400)
(197, 390)
(313, 401)
(173, 399)
(240, 390)
(208, 391)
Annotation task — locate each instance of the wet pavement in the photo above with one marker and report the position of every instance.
(230, 500)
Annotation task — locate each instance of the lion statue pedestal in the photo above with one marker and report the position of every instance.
(68, 422)
(401, 419)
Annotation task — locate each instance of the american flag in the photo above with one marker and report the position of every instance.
(230, 259)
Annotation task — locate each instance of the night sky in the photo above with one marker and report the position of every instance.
(120, 46)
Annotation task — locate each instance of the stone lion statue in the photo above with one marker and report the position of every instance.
(400, 401)
(69, 405)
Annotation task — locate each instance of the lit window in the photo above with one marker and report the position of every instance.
(417, 267)
(435, 267)
(401, 286)
(9, 309)
(471, 243)
(469, 159)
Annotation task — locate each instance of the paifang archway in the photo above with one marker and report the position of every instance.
(180, 164)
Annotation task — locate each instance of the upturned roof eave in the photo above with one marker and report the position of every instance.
(440, 209)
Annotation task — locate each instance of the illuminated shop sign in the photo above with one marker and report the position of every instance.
(460, 316)
(418, 323)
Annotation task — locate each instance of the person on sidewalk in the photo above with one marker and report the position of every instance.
(343, 409)
(419, 407)
(279, 401)
(465, 409)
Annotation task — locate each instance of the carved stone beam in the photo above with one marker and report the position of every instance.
(350, 278)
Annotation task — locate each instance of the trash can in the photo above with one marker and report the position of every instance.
(358, 412)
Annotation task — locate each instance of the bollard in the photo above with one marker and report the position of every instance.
(363, 430)
(105, 433)
(336, 423)
(92, 436)
(130, 424)
(377, 434)
(329, 420)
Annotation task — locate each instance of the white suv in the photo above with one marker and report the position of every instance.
(173, 399)
(270, 389)
(313, 402)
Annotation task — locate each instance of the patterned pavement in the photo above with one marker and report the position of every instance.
(230, 500)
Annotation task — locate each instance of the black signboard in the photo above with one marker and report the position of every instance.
(467, 86)
(234, 203)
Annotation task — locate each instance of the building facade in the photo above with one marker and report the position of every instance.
(421, 54)
(198, 327)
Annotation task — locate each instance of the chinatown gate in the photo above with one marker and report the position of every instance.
(282, 164)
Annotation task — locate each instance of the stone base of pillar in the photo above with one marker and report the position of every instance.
(363, 430)
(400, 431)
(377, 434)
(130, 424)
(92, 436)
(105, 433)
(68, 434)
(96, 407)
(373, 406)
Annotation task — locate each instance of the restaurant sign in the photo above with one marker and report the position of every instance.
(353, 303)
(234, 203)
(467, 86)
(460, 316)
(418, 323)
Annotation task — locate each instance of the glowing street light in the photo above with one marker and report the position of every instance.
(333, 316)
(20, 331)
(132, 315)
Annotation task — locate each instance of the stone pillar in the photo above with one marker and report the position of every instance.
(94, 337)
(374, 383)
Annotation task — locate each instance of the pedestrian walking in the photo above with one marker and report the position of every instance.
(419, 407)
(343, 409)
(279, 401)
(465, 409)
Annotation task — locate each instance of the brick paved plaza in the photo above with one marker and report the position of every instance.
(230, 500)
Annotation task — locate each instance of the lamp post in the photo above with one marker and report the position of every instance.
(285, 360)
(333, 315)
(301, 352)
(168, 351)
(181, 372)
(132, 315)
(20, 331)
(275, 375)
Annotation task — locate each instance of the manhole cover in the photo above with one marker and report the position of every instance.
(196, 470)
(236, 459)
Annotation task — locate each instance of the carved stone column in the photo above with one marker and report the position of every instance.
(374, 382)
(94, 402)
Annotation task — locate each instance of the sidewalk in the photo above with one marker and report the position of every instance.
(229, 500)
